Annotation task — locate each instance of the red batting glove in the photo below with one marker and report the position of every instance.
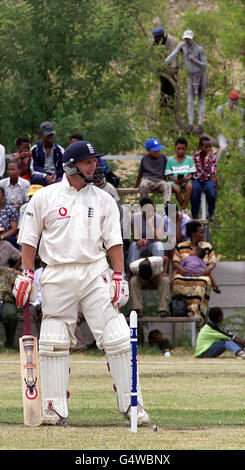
(23, 286)
(120, 290)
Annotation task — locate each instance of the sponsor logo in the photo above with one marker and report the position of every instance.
(63, 213)
(29, 213)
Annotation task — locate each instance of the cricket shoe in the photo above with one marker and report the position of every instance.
(142, 415)
(53, 418)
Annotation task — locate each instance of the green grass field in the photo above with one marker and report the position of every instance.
(197, 405)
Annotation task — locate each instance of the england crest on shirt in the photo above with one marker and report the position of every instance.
(90, 212)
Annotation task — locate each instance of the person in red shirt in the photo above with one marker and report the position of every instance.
(204, 180)
(23, 156)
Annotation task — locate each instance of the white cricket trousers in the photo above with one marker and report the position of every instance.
(65, 287)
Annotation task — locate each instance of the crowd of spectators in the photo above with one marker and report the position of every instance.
(180, 178)
(147, 265)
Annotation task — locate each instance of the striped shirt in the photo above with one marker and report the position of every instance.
(183, 250)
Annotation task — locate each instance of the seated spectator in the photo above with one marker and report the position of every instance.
(2, 160)
(204, 180)
(8, 308)
(47, 157)
(100, 182)
(147, 228)
(9, 255)
(32, 190)
(213, 339)
(225, 114)
(23, 157)
(151, 172)
(194, 289)
(179, 171)
(15, 187)
(150, 273)
(8, 220)
(178, 231)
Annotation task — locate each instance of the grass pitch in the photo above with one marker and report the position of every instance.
(197, 404)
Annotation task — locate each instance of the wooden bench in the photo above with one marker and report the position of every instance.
(136, 190)
(155, 322)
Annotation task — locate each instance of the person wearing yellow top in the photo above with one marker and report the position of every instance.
(194, 289)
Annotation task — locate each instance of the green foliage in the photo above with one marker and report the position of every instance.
(91, 67)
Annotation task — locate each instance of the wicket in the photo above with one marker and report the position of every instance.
(133, 349)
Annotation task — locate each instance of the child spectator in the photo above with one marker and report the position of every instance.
(15, 187)
(179, 170)
(23, 157)
(204, 180)
(151, 172)
(213, 340)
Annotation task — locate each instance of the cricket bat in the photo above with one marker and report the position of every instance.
(30, 377)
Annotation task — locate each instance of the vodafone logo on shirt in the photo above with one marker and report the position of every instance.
(63, 213)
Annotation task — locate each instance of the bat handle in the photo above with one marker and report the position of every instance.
(27, 319)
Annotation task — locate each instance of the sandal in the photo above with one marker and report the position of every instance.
(217, 290)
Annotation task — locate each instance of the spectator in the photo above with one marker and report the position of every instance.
(151, 172)
(179, 170)
(177, 231)
(147, 227)
(101, 183)
(225, 113)
(150, 273)
(196, 64)
(167, 89)
(213, 339)
(15, 187)
(32, 190)
(9, 255)
(195, 289)
(2, 160)
(23, 157)
(8, 220)
(204, 180)
(75, 137)
(47, 157)
(8, 308)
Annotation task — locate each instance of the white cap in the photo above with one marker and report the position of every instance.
(188, 34)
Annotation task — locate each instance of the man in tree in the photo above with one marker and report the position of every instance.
(196, 64)
(167, 89)
(226, 113)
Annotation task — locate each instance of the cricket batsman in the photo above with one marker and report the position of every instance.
(77, 225)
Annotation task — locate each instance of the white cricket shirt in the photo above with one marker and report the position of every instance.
(73, 225)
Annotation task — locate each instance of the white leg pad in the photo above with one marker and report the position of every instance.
(54, 344)
(116, 342)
